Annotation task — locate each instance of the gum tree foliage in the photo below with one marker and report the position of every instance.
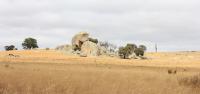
(129, 49)
(124, 52)
(139, 52)
(143, 47)
(30, 43)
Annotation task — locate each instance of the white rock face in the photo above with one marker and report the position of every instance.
(90, 49)
(79, 39)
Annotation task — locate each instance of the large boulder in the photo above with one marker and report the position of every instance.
(79, 39)
(90, 49)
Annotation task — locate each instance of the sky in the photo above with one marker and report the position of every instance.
(174, 25)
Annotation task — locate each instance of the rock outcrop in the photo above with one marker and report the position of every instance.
(79, 39)
(84, 46)
(90, 49)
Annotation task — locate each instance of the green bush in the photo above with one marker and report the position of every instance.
(93, 40)
(131, 48)
(30, 43)
(190, 81)
(124, 52)
(143, 47)
(11, 47)
(139, 52)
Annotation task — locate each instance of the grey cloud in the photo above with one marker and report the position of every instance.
(170, 23)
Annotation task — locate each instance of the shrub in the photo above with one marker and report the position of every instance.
(93, 40)
(124, 52)
(47, 48)
(192, 81)
(143, 47)
(139, 52)
(6, 65)
(8, 48)
(170, 71)
(131, 47)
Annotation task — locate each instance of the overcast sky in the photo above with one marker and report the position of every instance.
(173, 24)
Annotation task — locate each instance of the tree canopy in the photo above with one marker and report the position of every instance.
(143, 47)
(30, 43)
(11, 47)
(125, 52)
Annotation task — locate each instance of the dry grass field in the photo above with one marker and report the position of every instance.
(53, 72)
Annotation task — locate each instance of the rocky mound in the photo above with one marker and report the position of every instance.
(84, 46)
(79, 39)
(90, 49)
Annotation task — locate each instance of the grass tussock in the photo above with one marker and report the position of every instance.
(191, 81)
(3, 88)
(6, 65)
(172, 71)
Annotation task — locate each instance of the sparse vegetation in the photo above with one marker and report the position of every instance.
(104, 44)
(6, 66)
(30, 43)
(143, 47)
(47, 48)
(131, 47)
(93, 40)
(172, 71)
(108, 46)
(191, 81)
(11, 47)
(139, 52)
(43, 78)
(123, 52)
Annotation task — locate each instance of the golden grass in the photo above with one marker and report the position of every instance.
(40, 78)
(52, 72)
(191, 81)
(44, 78)
(165, 59)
